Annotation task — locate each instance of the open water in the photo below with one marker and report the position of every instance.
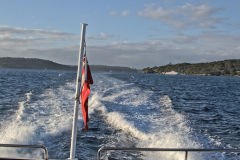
(126, 110)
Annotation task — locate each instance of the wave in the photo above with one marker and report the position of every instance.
(138, 117)
(20, 111)
(164, 138)
(159, 131)
(28, 96)
(35, 121)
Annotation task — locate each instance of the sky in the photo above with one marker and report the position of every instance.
(132, 33)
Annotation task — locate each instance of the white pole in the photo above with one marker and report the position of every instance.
(77, 94)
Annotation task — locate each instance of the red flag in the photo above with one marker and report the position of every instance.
(86, 81)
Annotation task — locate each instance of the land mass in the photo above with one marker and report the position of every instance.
(34, 63)
(217, 68)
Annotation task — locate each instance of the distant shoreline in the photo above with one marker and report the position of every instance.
(41, 64)
(217, 68)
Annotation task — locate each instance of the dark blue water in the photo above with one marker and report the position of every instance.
(134, 110)
(212, 104)
(14, 84)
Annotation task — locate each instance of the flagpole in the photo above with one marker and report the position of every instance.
(77, 94)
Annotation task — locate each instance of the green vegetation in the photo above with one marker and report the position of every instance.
(218, 68)
(31, 63)
(34, 63)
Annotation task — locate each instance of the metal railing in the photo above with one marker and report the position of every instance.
(27, 146)
(186, 150)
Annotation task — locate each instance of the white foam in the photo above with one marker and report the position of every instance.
(168, 131)
(28, 95)
(115, 96)
(16, 132)
(166, 138)
(52, 114)
(95, 104)
(20, 110)
(33, 122)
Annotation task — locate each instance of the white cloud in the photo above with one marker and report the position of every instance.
(100, 36)
(203, 47)
(113, 13)
(125, 13)
(22, 42)
(15, 30)
(188, 15)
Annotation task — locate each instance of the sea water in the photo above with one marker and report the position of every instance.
(125, 110)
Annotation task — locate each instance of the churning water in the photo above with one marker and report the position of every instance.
(126, 110)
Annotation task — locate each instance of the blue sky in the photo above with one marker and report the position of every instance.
(135, 33)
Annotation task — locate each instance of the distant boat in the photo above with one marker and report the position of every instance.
(171, 73)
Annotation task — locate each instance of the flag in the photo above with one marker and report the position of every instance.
(85, 92)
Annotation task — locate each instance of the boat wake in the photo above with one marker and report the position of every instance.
(36, 121)
(122, 114)
(141, 122)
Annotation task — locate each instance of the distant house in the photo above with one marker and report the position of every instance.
(171, 73)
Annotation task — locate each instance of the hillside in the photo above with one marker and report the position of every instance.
(31, 63)
(34, 63)
(226, 68)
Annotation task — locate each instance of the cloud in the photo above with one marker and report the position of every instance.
(7, 41)
(202, 47)
(15, 30)
(62, 54)
(100, 36)
(113, 13)
(21, 42)
(185, 16)
(125, 13)
(32, 36)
